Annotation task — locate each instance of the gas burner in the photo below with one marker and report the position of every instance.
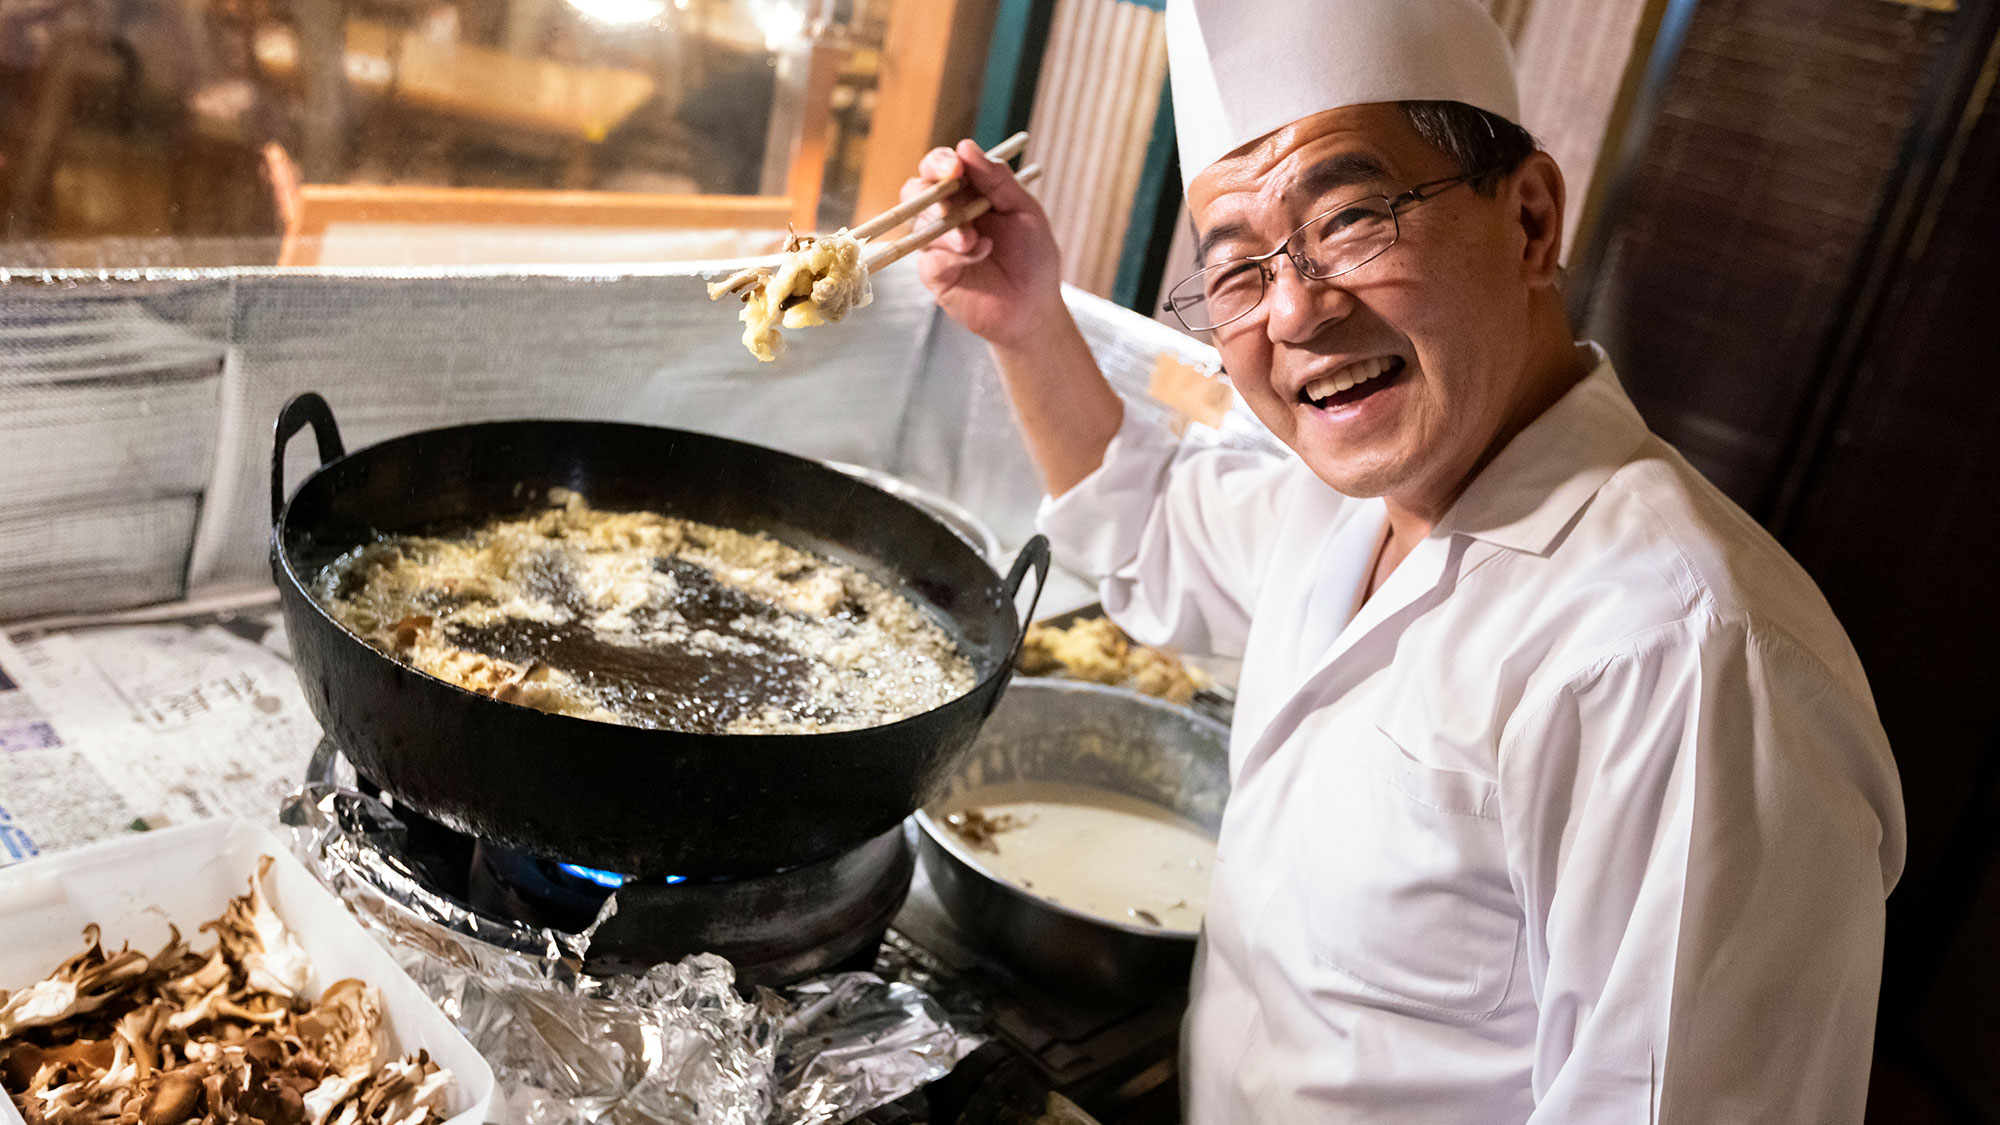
(1117, 1060)
(544, 892)
(775, 928)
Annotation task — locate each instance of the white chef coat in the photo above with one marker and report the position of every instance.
(1585, 816)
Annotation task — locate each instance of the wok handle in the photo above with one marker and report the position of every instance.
(302, 410)
(1034, 554)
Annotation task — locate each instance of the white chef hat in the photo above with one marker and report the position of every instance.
(1243, 68)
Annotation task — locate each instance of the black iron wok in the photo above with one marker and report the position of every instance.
(639, 801)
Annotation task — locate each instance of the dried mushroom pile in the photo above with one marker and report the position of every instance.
(217, 1037)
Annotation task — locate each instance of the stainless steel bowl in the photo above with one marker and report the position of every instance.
(1103, 738)
(948, 512)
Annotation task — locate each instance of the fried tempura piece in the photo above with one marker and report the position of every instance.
(819, 281)
(1094, 649)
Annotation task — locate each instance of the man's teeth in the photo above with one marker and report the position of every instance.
(1353, 375)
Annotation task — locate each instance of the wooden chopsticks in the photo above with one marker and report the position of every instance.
(956, 217)
(902, 213)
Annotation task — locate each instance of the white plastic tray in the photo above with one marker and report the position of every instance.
(134, 885)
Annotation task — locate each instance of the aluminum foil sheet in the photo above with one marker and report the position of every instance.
(849, 1042)
(676, 1045)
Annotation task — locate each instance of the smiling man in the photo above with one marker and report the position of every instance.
(1558, 792)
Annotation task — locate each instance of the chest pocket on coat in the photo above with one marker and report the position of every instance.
(1404, 877)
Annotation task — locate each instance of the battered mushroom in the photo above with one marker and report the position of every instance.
(819, 281)
(1095, 649)
(642, 618)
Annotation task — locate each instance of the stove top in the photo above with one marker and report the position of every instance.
(774, 928)
(871, 908)
(1118, 1060)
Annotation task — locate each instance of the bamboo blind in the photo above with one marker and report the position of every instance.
(1092, 118)
(1578, 63)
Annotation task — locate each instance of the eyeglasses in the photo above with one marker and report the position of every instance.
(1335, 242)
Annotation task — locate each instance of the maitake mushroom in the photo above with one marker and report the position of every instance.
(220, 1038)
(82, 984)
(254, 937)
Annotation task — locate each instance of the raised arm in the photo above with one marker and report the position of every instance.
(1001, 278)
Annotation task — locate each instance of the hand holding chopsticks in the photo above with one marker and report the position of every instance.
(911, 207)
(952, 219)
(955, 217)
(819, 278)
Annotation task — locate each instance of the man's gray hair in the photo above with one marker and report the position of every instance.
(1477, 141)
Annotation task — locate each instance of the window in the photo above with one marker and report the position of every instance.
(187, 132)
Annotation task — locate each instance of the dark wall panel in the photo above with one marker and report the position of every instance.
(1901, 525)
(1862, 419)
(1777, 137)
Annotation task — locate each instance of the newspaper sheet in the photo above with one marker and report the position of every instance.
(116, 728)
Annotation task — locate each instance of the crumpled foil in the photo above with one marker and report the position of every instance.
(849, 1042)
(677, 1044)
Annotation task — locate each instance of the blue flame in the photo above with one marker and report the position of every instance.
(610, 879)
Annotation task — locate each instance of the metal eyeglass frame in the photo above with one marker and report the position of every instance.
(1267, 273)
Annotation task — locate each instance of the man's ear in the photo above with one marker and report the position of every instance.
(1535, 190)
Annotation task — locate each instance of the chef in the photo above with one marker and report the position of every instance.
(1558, 792)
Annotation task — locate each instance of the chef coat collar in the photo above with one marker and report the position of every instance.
(1533, 489)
